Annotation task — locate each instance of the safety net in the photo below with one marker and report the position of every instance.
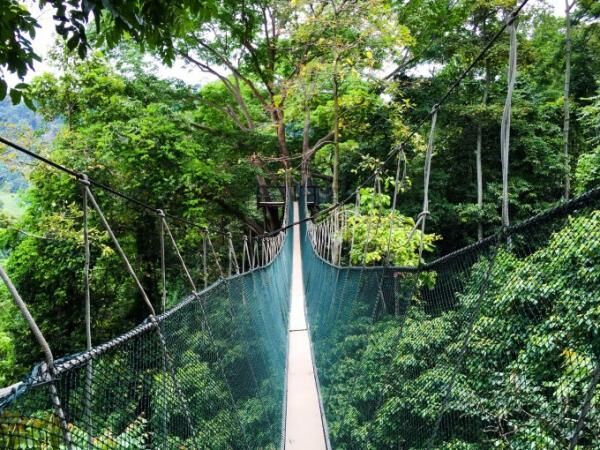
(496, 345)
(208, 373)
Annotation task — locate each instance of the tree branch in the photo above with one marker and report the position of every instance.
(319, 144)
(238, 214)
(234, 90)
(228, 111)
(234, 70)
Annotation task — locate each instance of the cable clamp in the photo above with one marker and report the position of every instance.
(160, 213)
(83, 179)
(435, 108)
(512, 17)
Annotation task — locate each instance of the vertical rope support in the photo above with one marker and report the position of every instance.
(89, 369)
(255, 254)
(356, 212)
(212, 249)
(369, 226)
(167, 363)
(163, 269)
(176, 248)
(163, 275)
(426, 177)
(394, 203)
(318, 239)
(245, 254)
(329, 237)
(342, 227)
(323, 228)
(326, 234)
(334, 231)
(204, 258)
(229, 261)
(265, 244)
(506, 118)
(567, 89)
(233, 263)
(119, 249)
(321, 237)
(273, 241)
(48, 370)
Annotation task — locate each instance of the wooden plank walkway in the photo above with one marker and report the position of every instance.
(304, 427)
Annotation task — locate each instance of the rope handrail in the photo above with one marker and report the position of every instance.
(563, 209)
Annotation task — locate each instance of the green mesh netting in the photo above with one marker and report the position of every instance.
(211, 376)
(494, 346)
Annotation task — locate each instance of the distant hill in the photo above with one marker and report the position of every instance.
(15, 122)
(19, 114)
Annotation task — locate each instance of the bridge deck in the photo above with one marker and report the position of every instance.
(304, 428)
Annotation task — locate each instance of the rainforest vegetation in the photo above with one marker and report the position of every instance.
(316, 92)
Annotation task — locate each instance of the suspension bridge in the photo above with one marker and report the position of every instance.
(252, 360)
(308, 345)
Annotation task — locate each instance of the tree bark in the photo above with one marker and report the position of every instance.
(305, 146)
(278, 121)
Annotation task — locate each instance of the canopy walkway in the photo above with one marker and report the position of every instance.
(495, 343)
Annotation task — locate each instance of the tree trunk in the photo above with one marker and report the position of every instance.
(278, 120)
(271, 213)
(305, 146)
(567, 111)
(272, 220)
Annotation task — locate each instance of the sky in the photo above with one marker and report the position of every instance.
(46, 37)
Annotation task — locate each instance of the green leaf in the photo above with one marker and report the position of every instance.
(3, 88)
(15, 96)
(29, 102)
(72, 42)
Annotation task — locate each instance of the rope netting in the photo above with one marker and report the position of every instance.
(207, 373)
(494, 346)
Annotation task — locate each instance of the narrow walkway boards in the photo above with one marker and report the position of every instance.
(304, 428)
